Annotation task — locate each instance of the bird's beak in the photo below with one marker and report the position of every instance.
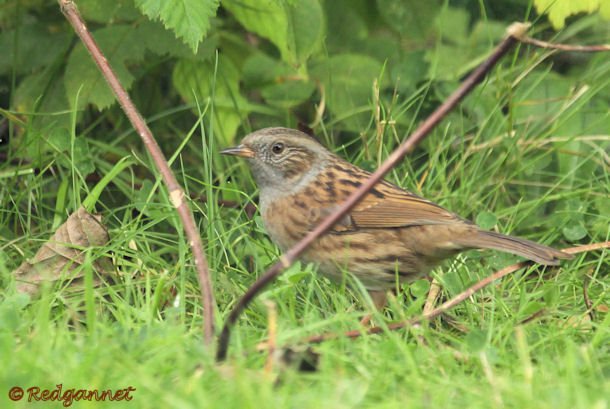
(240, 150)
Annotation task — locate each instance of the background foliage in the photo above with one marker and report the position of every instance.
(527, 152)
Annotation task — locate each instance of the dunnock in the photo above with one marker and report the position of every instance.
(391, 235)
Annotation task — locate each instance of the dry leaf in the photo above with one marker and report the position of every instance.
(64, 252)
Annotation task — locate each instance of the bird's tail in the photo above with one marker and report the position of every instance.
(530, 250)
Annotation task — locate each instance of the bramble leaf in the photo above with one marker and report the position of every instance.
(559, 10)
(189, 19)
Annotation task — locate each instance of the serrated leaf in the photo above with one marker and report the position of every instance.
(559, 10)
(189, 19)
(119, 45)
(194, 81)
(294, 28)
(162, 41)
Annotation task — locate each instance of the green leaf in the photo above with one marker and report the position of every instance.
(59, 139)
(294, 28)
(279, 84)
(161, 41)
(194, 81)
(351, 32)
(486, 220)
(348, 81)
(411, 18)
(70, 153)
(305, 29)
(539, 96)
(44, 92)
(142, 197)
(409, 70)
(37, 47)
(559, 10)
(82, 158)
(190, 19)
(288, 94)
(461, 50)
(119, 45)
(419, 288)
(295, 273)
(260, 70)
(453, 24)
(105, 11)
(574, 232)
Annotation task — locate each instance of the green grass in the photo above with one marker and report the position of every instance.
(525, 342)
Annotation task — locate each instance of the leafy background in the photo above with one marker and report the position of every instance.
(527, 152)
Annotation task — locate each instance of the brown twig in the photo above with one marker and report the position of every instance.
(586, 298)
(176, 193)
(452, 302)
(564, 47)
(533, 316)
(424, 129)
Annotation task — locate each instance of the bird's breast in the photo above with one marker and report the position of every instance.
(288, 219)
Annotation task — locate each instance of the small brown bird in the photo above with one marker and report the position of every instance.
(391, 235)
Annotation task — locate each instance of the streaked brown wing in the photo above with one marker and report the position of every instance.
(399, 210)
(385, 206)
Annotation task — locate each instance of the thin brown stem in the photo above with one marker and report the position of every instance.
(564, 47)
(407, 146)
(176, 193)
(452, 302)
(586, 298)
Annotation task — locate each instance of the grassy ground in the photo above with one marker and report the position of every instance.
(512, 160)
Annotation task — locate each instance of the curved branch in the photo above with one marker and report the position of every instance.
(176, 193)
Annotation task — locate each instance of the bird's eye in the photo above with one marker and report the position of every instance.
(277, 148)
